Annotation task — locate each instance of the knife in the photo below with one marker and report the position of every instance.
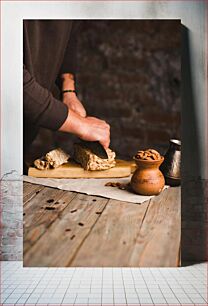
(96, 148)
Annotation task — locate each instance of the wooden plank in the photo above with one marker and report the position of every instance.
(158, 243)
(126, 234)
(60, 242)
(135, 235)
(74, 170)
(112, 239)
(41, 211)
(30, 191)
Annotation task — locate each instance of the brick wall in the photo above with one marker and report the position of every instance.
(132, 80)
(11, 218)
(129, 75)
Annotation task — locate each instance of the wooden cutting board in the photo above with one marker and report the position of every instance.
(74, 170)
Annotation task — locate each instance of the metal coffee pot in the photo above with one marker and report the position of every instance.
(172, 163)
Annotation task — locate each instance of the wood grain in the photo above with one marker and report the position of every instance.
(158, 242)
(68, 229)
(30, 191)
(74, 170)
(60, 243)
(112, 239)
(41, 211)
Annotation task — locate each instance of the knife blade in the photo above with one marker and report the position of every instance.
(96, 148)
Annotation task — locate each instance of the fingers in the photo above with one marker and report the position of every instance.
(105, 136)
(105, 143)
(94, 129)
(102, 124)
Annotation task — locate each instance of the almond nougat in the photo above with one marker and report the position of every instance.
(92, 162)
(52, 159)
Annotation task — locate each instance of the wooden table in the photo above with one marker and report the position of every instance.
(64, 229)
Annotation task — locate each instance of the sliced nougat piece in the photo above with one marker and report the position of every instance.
(90, 161)
(57, 157)
(52, 159)
(41, 164)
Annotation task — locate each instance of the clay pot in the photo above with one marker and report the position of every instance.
(148, 179)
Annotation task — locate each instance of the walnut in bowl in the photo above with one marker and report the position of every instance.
(149, 154)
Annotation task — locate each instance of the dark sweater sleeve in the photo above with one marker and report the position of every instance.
(39, 106)
(70, 57)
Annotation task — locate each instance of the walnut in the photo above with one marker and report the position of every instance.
(149, 154)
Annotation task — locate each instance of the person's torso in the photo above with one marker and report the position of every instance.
(45, 43)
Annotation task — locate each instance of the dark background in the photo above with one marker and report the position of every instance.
(128, 73)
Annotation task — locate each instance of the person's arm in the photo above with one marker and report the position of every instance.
(39, 105)
(43, 110)
(69, 97)
(68, 71)
(88, 128)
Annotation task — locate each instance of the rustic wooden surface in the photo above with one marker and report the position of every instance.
(63, 228)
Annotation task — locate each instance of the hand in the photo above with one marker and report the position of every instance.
(88, 128)
(94, 129)
(73, 103)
